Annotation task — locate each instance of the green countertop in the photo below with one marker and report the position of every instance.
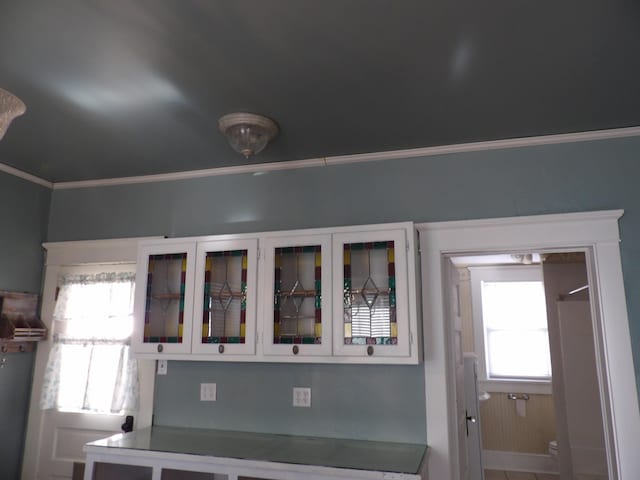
(327, 452)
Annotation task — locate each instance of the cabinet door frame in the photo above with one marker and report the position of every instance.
(268, 246)
(405, 313)
(229, 349)
(137, 340)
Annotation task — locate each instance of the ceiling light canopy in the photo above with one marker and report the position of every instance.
(248, 133)
(10, 108)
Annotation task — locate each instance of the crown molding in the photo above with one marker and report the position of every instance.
(25, 176)
(259, 168)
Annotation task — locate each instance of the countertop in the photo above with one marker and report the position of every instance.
(291, 449)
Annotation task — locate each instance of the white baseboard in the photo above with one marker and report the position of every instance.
(518, 462)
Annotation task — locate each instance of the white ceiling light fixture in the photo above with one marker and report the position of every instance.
(523, 258)
(248, 133)
(10, 108)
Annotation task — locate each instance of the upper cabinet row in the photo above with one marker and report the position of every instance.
(326, 295)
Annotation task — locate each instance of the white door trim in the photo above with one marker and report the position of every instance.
(75, 253)
(597, 231)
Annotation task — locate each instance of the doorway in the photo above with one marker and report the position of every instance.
(522, 316)
(55, 439)
(593, 232)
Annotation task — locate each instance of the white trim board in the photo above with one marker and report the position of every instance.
(260, 168)
(24, 175)
(597, 234)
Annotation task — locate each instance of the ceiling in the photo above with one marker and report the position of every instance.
(118, 88)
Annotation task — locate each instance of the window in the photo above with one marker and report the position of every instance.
(89, 367)
(510, 323)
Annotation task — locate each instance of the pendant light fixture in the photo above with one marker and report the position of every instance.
(10, 108)
(248, 133)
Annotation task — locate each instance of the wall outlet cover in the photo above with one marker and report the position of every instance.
(208, 392)
(301, 396)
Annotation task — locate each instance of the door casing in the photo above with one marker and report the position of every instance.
(593, 232)
(61, 254)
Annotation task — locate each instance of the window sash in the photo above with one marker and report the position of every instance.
(506, 347)
(90, 368)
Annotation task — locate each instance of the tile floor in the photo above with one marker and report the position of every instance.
(500, 475)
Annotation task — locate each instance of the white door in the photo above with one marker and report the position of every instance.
(458, 368)
(55, 439)
(474, 435)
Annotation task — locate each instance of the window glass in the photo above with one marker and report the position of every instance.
(90, 368)
(515, 330)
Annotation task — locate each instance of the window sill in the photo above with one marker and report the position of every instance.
(515, 386)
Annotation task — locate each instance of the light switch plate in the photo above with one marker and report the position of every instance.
(301, 396)
(208, 392)
(162, 367)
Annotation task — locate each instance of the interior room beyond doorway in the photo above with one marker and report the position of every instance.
(525, 315)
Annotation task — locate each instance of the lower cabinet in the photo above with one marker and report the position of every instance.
(170, 453)
(114, 471)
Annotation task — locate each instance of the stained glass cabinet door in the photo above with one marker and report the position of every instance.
(225, 297)
(164, 298)
(372, 314)
(297, 301)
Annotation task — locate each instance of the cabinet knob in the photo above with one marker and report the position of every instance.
(369, 350)
(160, 348)
(220, 348)
(296, 349)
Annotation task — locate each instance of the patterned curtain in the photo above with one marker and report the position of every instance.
(90, 367)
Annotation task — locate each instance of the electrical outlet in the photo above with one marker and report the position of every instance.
(301, 396)
(208, 392)
(162, 367)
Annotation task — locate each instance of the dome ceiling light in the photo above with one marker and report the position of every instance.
(248, 133)
(10, 108)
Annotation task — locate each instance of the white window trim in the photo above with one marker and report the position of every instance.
(513, 273)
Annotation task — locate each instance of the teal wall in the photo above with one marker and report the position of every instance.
(533, 180)
(24, 211)
(374, 402)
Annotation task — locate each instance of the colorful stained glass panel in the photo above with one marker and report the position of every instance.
(225, 297)
(369, 294)
(297, 304)
(164, 309)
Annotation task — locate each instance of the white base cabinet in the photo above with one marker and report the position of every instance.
(167, 453)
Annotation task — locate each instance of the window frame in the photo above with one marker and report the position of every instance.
(505, 273)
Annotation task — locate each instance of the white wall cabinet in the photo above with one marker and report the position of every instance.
(296, 281)
(341, 295)
(163, 305)
(373, 312)
(224, 313)
(196, 297)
